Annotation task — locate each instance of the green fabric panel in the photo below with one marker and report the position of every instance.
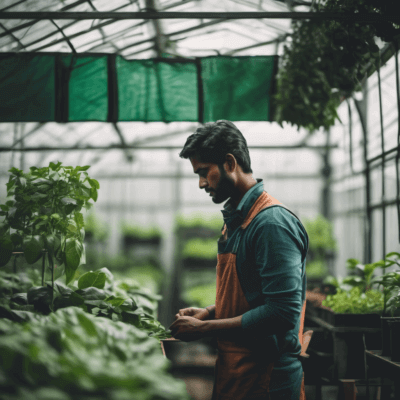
(88, 90)
(151, 90)
(237, 89)
(27, 88)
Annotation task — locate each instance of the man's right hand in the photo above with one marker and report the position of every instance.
(199, 313)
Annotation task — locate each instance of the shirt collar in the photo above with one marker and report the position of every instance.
(230, 213)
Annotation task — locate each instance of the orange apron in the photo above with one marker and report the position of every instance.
(241, 372)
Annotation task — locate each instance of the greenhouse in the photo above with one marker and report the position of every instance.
(121, 277)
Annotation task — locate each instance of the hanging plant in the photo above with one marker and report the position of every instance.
(326, 62)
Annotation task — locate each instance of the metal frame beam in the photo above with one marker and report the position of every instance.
(119, 147)
(353, 17)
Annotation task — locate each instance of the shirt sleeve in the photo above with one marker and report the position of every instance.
(278, 257)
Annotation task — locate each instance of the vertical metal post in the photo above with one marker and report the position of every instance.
(362, 112)
(398, 136)
(383, 163)
(326, 172)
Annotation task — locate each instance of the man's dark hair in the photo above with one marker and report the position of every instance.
(213, 141)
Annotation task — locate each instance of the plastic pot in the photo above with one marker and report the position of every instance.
(171, 348)
(394, 326)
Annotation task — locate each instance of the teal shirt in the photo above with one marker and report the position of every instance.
(270, 264)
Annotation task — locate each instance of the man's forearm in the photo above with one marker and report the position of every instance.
(211, 312)
(222, 328)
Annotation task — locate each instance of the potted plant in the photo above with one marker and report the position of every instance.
(391, 289)
(136, 234)
(95, 229)
(200, 253)
(43, 219)
(322, 247)
(204, 226)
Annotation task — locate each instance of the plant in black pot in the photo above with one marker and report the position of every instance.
(390, 317)
(390, 283)
(136, 234)
(321, 250)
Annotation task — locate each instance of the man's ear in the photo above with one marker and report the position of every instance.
(230, 159)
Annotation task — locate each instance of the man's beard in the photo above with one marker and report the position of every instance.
(224, 190)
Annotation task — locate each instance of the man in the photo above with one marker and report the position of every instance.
(258, 315)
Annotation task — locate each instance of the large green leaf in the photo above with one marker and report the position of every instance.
(115, 301)
(87, 325)
(92, 293)
(96, 279)
(73, 254)
(71, 299)
(41, 298)
(4, 228)
(33, 248)
(6, 248)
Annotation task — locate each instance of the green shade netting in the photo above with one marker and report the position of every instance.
(27, 87)
(156, 91)
(237, 89)
(98, 87)
(88, 93)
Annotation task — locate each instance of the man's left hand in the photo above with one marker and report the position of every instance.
(187, 329)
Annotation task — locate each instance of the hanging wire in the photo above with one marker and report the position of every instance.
(398, 135)
(383, 160)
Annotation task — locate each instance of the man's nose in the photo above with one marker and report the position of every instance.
(202, 183)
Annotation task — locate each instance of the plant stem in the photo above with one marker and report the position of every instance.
(43, 267)
(52, 277)
(15, 263)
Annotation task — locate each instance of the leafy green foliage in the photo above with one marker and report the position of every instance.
(320, 234)
(95, 227)
(316, 269)
(140, 232)
(355, 301)
(201, 296)
(97, 293)
(200, 248)
(96, 279)
(321, 241)
(44, 214)
(200, 220)
(71, 354)
(325, 62)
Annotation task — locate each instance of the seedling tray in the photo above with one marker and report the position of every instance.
(351, 320)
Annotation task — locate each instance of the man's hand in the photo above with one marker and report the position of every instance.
(187, 328)
(198, 313)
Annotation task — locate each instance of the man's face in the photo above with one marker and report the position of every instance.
(220, 186)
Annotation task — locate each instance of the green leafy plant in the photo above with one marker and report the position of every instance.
(140, 232)
(355, 301)
(43, 216)
(390, 282)
(199, 220)
(95, 227)
(321, 242)
(200, 248)
(316, 269)
(200, 296)
(71, 354)
(325, 62)
(96, 292)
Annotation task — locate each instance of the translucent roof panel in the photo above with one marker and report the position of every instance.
(137, 38)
